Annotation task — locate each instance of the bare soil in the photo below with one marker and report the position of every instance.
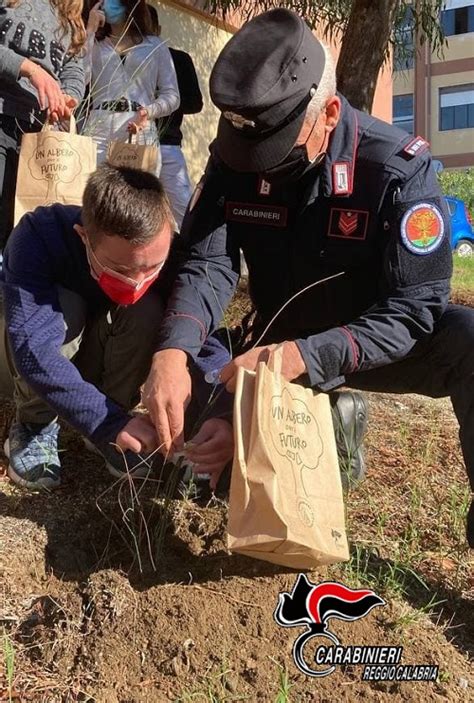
(94, 611)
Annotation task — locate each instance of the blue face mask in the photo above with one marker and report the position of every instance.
(114, 11)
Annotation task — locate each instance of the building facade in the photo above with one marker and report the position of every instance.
(433, 96)
(187, 26)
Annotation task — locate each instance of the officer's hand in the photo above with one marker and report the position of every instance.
(166, 395)
(211, 449)
(138, 435)
(292, 364)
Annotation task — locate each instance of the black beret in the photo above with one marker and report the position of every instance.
(262, 83)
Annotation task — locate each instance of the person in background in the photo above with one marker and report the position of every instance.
(125, 64)
(174, 173)
(41, 78)
(85, 290)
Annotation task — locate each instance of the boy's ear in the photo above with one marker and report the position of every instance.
(79, 229)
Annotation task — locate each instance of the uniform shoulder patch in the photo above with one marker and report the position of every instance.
(416, 146)
(422, 228)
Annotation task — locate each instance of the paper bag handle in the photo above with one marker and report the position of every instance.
(275, 360)
(72, 125)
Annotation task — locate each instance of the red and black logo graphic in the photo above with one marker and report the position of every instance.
(313, 606)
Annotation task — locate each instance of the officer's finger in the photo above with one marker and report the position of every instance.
(176, 426)
(204, 435)
(163, 431)
(214, 455)
(231, 383)
(227, 372)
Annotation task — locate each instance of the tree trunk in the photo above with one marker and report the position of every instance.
(363, 50)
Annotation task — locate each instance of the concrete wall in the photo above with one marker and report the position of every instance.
(188, 30)
(459, 46)
(403, 82)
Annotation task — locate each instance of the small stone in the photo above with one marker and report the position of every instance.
(231, 683)
(463, 683)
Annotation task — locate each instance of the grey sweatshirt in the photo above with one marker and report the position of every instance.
(31, 30)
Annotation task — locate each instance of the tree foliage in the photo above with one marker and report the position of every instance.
(459, 184)
(368, 31)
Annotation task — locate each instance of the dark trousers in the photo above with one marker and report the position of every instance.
(11, 131)
(112, 348)
(442, 365)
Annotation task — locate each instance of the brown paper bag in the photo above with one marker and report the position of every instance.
(133, 155)
(53, 168)
(286, 504)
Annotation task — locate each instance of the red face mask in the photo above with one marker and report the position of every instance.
(118, 287)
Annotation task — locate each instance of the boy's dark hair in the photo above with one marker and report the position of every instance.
(125, 202)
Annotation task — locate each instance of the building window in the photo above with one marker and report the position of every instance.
(403, 115)
(456, 107)
(458, 20)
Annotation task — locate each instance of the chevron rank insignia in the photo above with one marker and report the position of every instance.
(348, 224)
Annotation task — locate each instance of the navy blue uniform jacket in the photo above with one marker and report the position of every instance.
(372, 210)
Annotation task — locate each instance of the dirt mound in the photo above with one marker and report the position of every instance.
(94, 609)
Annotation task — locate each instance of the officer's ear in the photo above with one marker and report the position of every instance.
(333, 113)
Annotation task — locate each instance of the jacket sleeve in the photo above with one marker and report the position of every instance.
(208, 274)
(414, 291)
(36, 331)
(72, 78)
(190, 92)
(167, 100)
(10, 64)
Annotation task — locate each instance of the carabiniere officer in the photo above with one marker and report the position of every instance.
(308, 187)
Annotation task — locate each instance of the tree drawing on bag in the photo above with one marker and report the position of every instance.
(54, 161)
(291, 425)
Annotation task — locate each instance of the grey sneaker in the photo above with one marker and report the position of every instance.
(119, 463)
(33, 455)
(349, 416)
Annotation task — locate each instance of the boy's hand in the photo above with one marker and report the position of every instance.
(138, 435)
(211, 449)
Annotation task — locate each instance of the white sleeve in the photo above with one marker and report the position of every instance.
(167, 100)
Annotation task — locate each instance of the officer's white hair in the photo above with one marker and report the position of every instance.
(326, 88)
